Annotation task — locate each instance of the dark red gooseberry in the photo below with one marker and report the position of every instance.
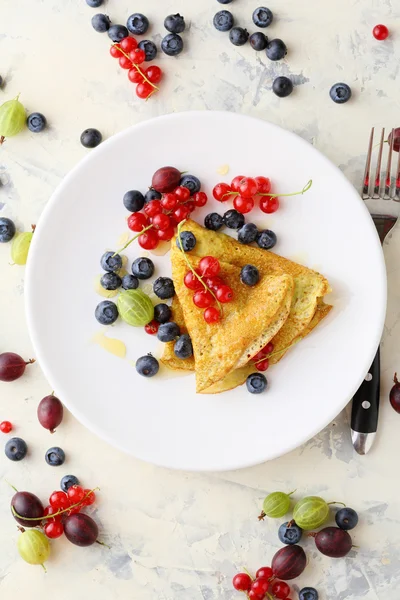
(50, 412)
(166, 179)
(289, 562)
(395, 394)
(81, 530)
(333, 542)
(27, 505)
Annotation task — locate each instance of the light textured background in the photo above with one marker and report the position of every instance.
(177, 535)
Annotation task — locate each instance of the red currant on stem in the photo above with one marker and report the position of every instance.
(260, 587)
(209, 266)
(135, 76)
(224, 294)
(128, 44)
(281, 590)
(59, 500)
(380, 32)
(54, 530)
(222, 192)
(169, 201)
(203, 299)
(264, 572)
(236, 181)
(263, 184)
(152, 327)
(89, 497)
(182, 193)
(243, 205)
(116, 51)
(166, 235)
(137, 222)
(213, 283)
(161, 221)
(248, 187)
(144, 90)
(212, 315)
(50, 510)
(153, 208)
(200, 199)
(154, 74)
(262, 365)
(5, 427)
(181, 213)
(192, 282)
(125, 62)
(269, 205)
(241, 581)
(148, 240)
(137, 56)
(190, 205)
(75, 494)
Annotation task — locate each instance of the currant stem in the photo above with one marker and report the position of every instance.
(135, 237)
(103, 544)
(262, 516)
(248, 573)
(12, 486)
(59, 512)
(303, 191)
(30, 361)
(140, 71)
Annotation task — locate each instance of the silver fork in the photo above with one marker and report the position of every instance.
(365, 407)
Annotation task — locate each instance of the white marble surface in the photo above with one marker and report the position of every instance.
(176, 536)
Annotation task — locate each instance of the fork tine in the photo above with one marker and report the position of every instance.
(388, 179)
(377, 182)
(365, 188)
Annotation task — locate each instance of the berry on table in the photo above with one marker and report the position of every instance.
(183, 347)
(346, 518)
(266, 239)
(115, 51)
(12, 366)
(380, 32)
(5, 427)
(110, 281)
(174, 23)
(94, 3)
(340, 93)
(148, 240)
(281, 590)
(224, 294)
(90, 138)
(191, 182)
(186, 241)
(168, 332)
(36, 122)
(222, 191)
(149, 48)
(333, 542)
(225, 1)
(137, 24)
(248, 233)
(308, 593)
(59, 500)
(242, 582)
(163, 287)
(53, 530)
(249, 275)
(101, 23)
(212, 315)
(276, 49)
(7, 230)
(106, 312)
(128, 44)
(256, 383)
(16, 449)
(223, 20)
(89, 498)
(50, 411)
(125, 62)
(259, 588)
(233, 219)
(153, 73)
(262, 17)
(147, 366)
(136, 56)
(162, 313)
(243, 205)
(282, 86)
(116, 33)
(75, 494)
(258, 41)
(142, 268)
(133, 200)
(264, 572)
(111, 261)
(172, 44)
(203, 299)
(269, 205)
(137, 222)
(135, 76)
(55, 456)
(67, 481)
(213, 221)
(290, 533)
(152, 327)
(238, 36)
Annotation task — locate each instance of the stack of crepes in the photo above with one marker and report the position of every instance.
(284, 307)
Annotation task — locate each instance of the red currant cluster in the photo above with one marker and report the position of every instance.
(260, 360)
(130, 57)
(245, 191)
(263, 586)
(62, 505)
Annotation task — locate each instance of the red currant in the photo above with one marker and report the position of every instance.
(181, 213)
(264, 573)
(190, 205)
(243, 205)
(153, 208)
(59, 500)
(162, 222)
(137, 56)
(148, 240)
(214, 283)
(169, 201)
(260, 586)
(281, 590)
(212, 315)
(200, 199)
(263, 185)
(50, 510)
(154, 74)
(128, 44)
(263, 353)
(90, 498)
(269, 205)
(75, 509)
(262, 365)
(224, 294)
(380, 32)
(135, 76)
(152, 327)
(203, 299)
(5, 426)
(144, 90)
(54, 530)
(166, 235)
(75, 494)
(248, 187)
(209, 266)
(115, 51)
(192, 282)
(252, 595)
(137, 222)
(241, 581)
(125, 62)
(236, 182)
(183, 193)
(221, 192)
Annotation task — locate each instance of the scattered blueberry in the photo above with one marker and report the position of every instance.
(36, 122)
(233, 219)
(276, 49)
(191, 182)
(223, 20)
(290, 535)
(282, 86)
(266, 239)
(109, 262)
(172, 44)
(149, 48)
(7, 230)
(116, 33)
(340, 93)
(258, 41)
(224, 1)
(55, 457)
(106, 312)
(262, 17)
(147, 366)
(248, 233)
(249, 275)
(152, 195)
(238, 36)
(94, 3)
(308, 593)
(101, 23)
(168, 332)
(137, 24)
(163, 287)
(183, 347)
(143, 268)
(68, 481)
(133, 200)
(110, 281)
(175, 23)
(162, 313)
(91, 138)
(256, 383)
(1, 81)
(186, 241)
(16, 449)
(213, 221)
(130, 282)
(346, 518)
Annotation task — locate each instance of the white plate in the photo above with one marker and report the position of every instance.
(162, 420)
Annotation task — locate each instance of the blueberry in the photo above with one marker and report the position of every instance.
(1, 81)
(191, 182)
(109, 262)
(213, 221)
(249, 275)
(282, 86)
(175, 23)
(130, 282)
(186, 241)
(36, 122)
(106, 312)
(150, 49)
(68, 481)
(133, 200)
(290, 535)
(162, 313)
(256, 383)
(238, 36)
(152, 195)
(7, 230)
(101, 23)
(55, 457)
(308, 593)
(116, 33)
(172, 44)
(147, 366)
(143, 268)
(258, 41)
(266, 239)
(248, 233)
(168, 332)
(340, 93)
(262, 17)
(90, 138)
(110, 281)
(16, 449)
(137, 24)
(346, 518)
(276, 49)
(233, 219)
(223, 20)
(94, 3)
(183, 347)
(163, 287)
(224, 1)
